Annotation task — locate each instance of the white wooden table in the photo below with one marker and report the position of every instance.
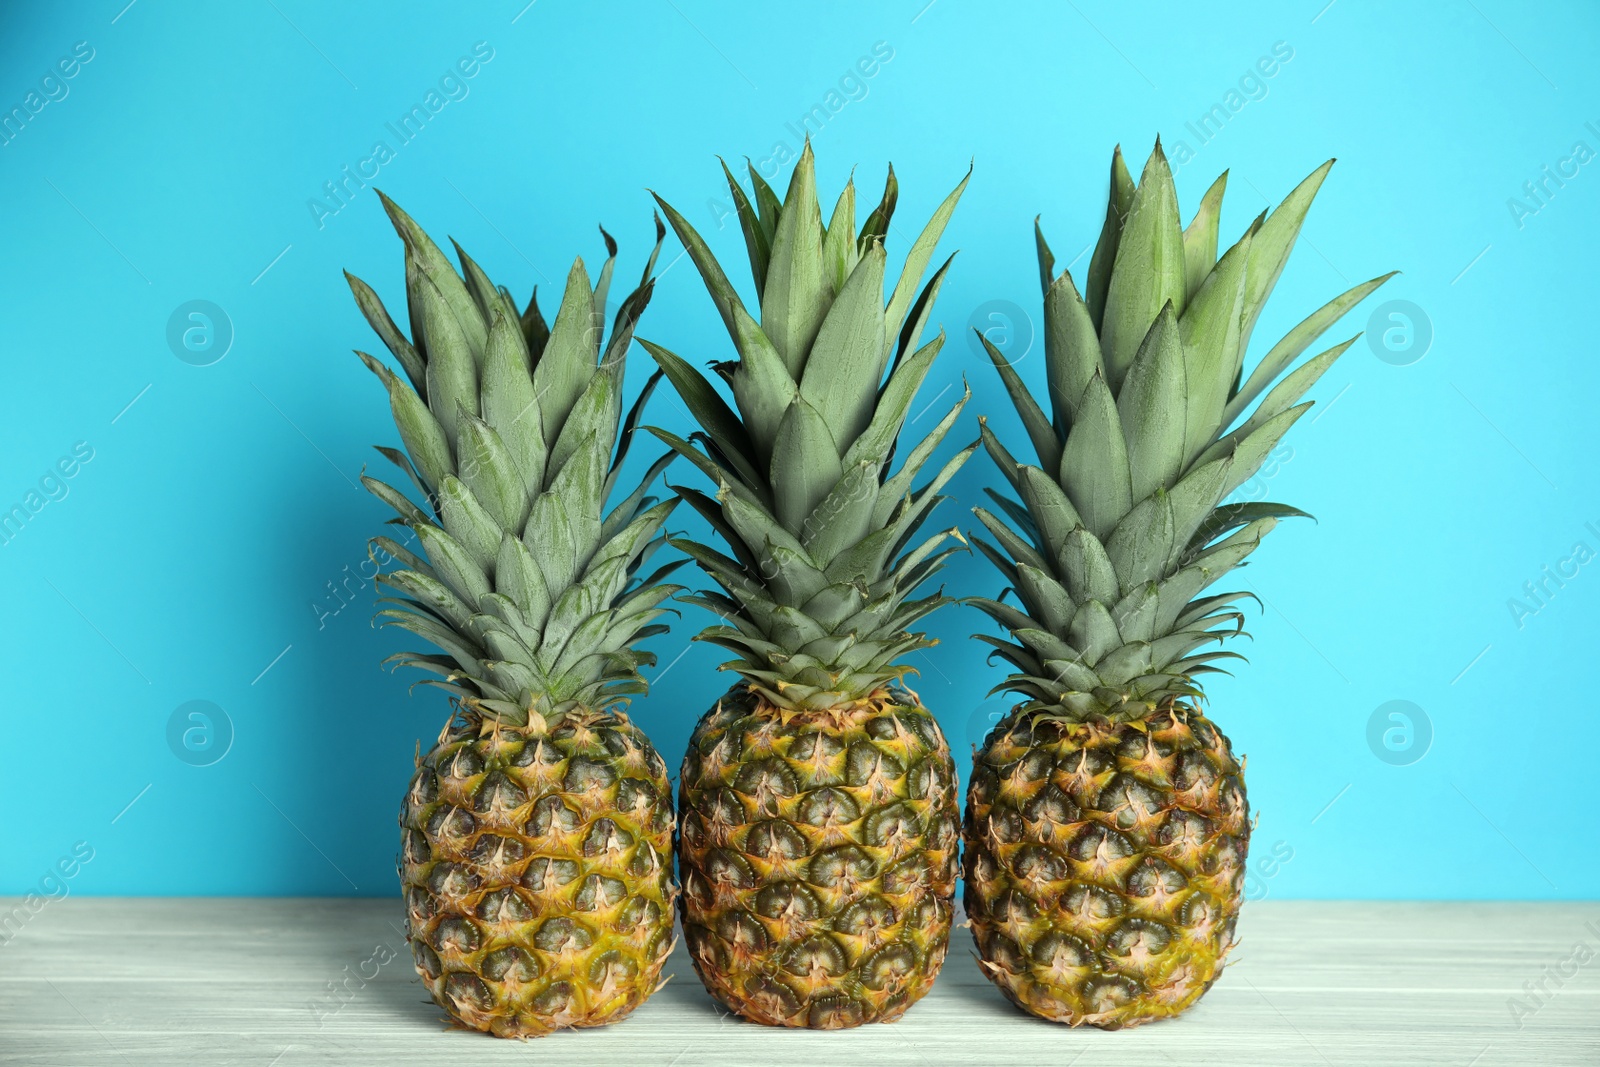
(212, 982)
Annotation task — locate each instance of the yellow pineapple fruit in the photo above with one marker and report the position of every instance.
(536, 835)
(1106, 827)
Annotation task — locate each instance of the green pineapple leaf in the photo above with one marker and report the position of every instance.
(1149, 268)
(794, 301)
(1200, 237)
(1104, 258)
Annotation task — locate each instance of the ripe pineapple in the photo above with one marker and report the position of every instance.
(1106, 826)
(537, 833)
(817, 801)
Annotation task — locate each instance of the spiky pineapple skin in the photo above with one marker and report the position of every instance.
(818, 857)
(537, 869)
(1105, 863)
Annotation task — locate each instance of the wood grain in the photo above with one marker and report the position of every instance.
(241, 981)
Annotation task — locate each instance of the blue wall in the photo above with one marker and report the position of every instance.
(210, 509)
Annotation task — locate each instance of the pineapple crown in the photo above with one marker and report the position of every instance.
(528, 587)
(817, 597)
(1121, 524)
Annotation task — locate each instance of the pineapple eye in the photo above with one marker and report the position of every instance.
(1005, 824)
(450, 825)
(612, 966)
(864, 918)
(1038, 866)
(498, 852)
(586, 775)
(641, 912)
(892, 827)
(1099, 844)
(1155, 878)
(1089, 904)
(599, 893)
(944, 832)
(908, 876)
(1003, 953)
(775, 839)
(931, 916)
(745, 936)
(498, 794)
(467, 992)
(1133, 747)
(923, 778)
(462, 764)
(537, 751)
(814, 955)
(725, 808)
(424, 788)
(889, 967)
(983, 786)
(1194, 772)
(1184, 830)
(1014, 907)
(725, 867)
(426, 959)
(881, 728)
(1051, 805)
(637, 795)
(770, 1001)
(828, 807)
(452, 881)
(1137, 940)
(843, 867)
(767, 782)
(419, 905)
(562, 934)
(698, 892)
(645, 861)
(788, 899)
(415, 848)
(510, 964)
(1079, 769)
(457, 935)
(534, 877)
(1129, 801)
(504, 906)
(1104, 993)
(552, 816)
(1062, 953)
(606, 838)
(811, 747)
(692, 833)
(555, 1001)
(1199, 913)
(866, 765)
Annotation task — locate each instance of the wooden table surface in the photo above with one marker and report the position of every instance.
(169, 982)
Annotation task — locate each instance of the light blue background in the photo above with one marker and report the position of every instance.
(188, 554)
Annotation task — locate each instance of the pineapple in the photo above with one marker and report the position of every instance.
(817, 800)
(1106, 824)
(536, 841)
